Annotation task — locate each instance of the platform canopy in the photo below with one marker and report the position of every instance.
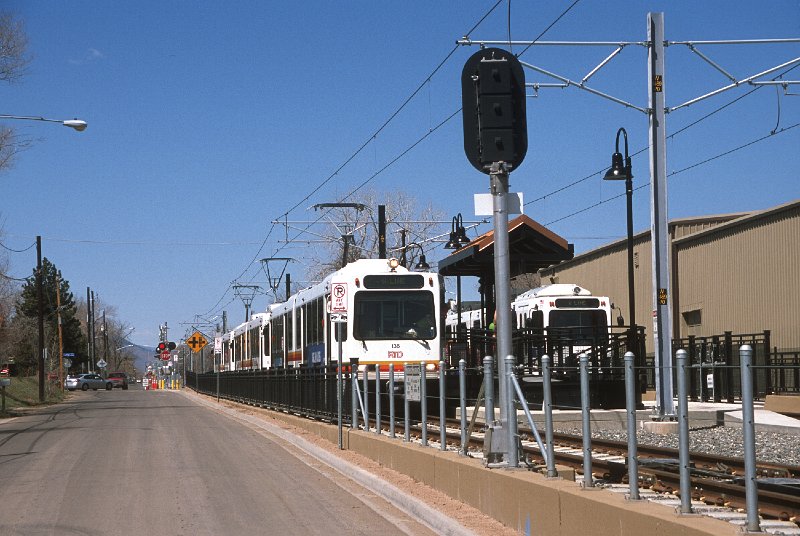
(531, 247)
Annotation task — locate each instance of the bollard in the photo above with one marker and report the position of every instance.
(462, 400)
(354, 389)
(630, 407)
(748, 428)
(406, 408)
(366, 398)
(547, 406)
(488, 382)
(423, 400)
(587, 427)
(511, 411)
(391, 401)
(683, 433)
(442, 425)
(378, 399)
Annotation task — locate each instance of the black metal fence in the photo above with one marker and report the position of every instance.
(311, 390)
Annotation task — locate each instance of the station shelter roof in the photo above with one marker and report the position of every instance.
(531, 247)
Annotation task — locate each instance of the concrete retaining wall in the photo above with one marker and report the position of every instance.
(520, 498)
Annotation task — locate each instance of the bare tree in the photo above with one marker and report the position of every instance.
(406, 221)
(14, 60)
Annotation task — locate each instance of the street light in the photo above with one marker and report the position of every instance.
(458, 235)
(77, 124)
(422, 264)
(621, 170)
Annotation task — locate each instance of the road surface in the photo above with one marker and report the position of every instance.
(139, 462)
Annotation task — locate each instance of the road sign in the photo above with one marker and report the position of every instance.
(102, 364)
(413, 376)
(196, 342)
(338, 317)
(165, 356)
(339, 298)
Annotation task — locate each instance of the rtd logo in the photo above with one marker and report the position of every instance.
(395, 354)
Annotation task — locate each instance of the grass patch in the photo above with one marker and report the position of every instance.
(24, 393)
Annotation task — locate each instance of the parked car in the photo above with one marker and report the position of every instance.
(84, 382)
(118, 379)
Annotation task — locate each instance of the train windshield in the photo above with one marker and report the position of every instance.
(382, 315)
(582, 327)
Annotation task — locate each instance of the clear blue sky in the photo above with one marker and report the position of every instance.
(207, 120)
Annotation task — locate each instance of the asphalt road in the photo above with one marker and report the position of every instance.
(159, 462)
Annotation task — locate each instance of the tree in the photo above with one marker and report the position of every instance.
(405, 221)
(14, 60)
(27, 312)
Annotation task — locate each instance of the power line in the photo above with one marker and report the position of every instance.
(18, 250)
(707, 160)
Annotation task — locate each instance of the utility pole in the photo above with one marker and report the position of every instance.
(60, 336)
(40, 297)
(659, 231)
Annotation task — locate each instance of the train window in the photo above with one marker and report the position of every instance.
(582, 327)
(383, 315)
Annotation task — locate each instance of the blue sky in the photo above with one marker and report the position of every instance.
(207, 120)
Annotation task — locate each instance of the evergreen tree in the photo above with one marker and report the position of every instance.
(74, 341)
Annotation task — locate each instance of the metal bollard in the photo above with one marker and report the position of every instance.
(587, 427)
(423, 401)
(442, 416)
(406, 407)
(748, 428)
(488, 382)
(547, 406)
(378, 399)
(462, 396)
(513, 451)
(366, 398)
(354, 394)
(683, 433)
(391, 401)
(630, 407)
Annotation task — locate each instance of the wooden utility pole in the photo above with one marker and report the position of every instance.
(60, 336)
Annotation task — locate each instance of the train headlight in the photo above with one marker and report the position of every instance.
(393, 264)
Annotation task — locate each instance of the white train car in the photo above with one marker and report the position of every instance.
(565, 310)
(388, 314)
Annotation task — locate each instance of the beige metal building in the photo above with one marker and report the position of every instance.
(732, 272)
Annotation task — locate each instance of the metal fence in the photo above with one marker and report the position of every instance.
(311, 390)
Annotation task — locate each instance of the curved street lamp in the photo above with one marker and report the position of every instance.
(78, 124)
(621, 170)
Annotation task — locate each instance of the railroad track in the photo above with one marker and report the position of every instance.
(715, 480)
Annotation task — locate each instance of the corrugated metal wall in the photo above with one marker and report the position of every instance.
(745, 278)
(742, 277)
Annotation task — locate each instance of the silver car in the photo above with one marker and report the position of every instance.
(85, 382)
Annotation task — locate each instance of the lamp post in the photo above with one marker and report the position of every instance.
(78, 125)
(422, 264)
(621, 170)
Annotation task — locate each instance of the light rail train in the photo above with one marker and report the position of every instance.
(386, 313)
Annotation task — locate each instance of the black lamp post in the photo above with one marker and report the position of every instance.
(422, 264)
(621, 170)
(458, 235)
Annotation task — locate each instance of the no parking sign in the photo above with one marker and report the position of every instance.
(339, 298)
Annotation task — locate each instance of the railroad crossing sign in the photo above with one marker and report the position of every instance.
(197, 342)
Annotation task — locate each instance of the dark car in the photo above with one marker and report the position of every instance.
(118, 379)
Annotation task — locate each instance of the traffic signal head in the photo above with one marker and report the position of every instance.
(493, 100)
(162, 347)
